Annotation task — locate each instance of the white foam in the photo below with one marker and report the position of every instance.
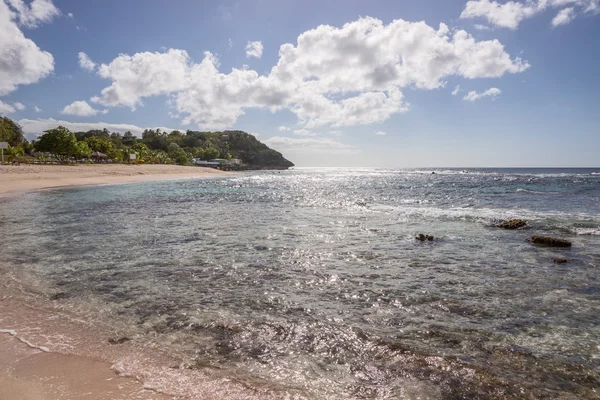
(25, 341)
(587, 231)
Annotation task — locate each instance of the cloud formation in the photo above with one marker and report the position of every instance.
(380, 133)
(82, 109)
(564, 16)
(33, 14)
(22, 62)
(86, 62)
(510, 14)
(6, 108)
(304, 132)
(491, 92)
(333, 76)
(254, 49)
(19, 106)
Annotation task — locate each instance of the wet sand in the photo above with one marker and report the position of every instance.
(27, 177)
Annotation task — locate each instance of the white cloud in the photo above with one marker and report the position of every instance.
(230, 43)
(254, 49)
(564, 16)
(142, 75)
(86, 62)
(511, 13)
(335, 133)
(19, 106)
(21, 61)
(481, 27)
(82, 109)
(380, 133)
(456, 90)
(38, 126)
(70, 15)
(491, 92)
(6, 108)
(304, 132)
(284, 129)
(310, 145)
(33, 14)
(37, 109)
(351, 75)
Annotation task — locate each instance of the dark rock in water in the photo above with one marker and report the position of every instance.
(120, 340)
(59, 296)
(512, 224)
(549, 241)
(560, 260)
(424, 238)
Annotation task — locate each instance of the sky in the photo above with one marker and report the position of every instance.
(399, 83)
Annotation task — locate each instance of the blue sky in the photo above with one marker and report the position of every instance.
(356, 83)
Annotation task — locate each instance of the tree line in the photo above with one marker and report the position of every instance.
(155, 146)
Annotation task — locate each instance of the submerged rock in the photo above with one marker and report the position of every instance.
(560, 260)
(512, 224)
(424, 238)
(120, 340)
(549, 241)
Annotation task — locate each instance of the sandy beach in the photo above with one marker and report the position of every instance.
(27, 177)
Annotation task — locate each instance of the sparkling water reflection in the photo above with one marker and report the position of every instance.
(312, 280)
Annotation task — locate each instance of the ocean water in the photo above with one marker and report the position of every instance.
(309, 283)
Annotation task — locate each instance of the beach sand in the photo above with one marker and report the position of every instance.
(27, 177)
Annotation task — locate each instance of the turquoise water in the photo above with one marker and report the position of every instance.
(311, 280)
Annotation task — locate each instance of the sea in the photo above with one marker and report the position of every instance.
(310, 284)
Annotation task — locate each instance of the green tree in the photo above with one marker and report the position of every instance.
(210, 153)
(83, 150)
(13, 153)
(103, 145)
(60, 141)
(11, 132)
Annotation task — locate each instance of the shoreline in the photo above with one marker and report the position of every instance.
(51, 350)
(25, 178)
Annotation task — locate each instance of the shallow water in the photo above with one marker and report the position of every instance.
(310, 281)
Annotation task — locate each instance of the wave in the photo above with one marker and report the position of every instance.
(586, 231)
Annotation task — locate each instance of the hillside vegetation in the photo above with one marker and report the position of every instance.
(155, 146)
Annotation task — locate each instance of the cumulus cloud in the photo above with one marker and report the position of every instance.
(19, 106)
(491, 92)
(254, 49)
(456, 90)
(310, 145)
(380, 133)
(564, 16)
(38, 126)
(70, 15)
(6, 108)
(37, 109)
(284, 128)
(142, 75)
(511, 13)
(22, 62)
(335, 132)
(82, 109)
(86, 62)
(33, 14)
(333, 76)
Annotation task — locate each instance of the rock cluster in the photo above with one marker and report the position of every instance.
(424, 238)
(512, 224)
(550, 241)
